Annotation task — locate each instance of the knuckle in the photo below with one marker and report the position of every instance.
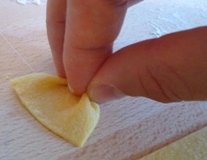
(168, 83)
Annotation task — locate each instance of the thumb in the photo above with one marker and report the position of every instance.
(171, 68)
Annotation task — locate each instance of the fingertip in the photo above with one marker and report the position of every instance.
(61, 74)
(70, 88)
(81, 65)
(75, 91)
(102, 93)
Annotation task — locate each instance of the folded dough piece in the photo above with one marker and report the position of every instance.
(48, 99)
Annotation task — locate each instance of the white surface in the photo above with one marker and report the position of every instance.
(38, 2)
(153, 18)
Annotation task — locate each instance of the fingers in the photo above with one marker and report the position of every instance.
(56, 29)
(91, 28)
(133, 2)
(170, 68)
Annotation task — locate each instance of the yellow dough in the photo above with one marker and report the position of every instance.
(191, 147)
(48, 99)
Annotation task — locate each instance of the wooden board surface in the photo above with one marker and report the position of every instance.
(191, 147)
(128, 128)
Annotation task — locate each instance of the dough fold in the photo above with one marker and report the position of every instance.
(48, 99)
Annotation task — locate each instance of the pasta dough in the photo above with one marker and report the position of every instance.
(48, 99)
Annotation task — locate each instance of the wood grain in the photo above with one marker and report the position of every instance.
(191, 147)
(161, 127)
(128, 129)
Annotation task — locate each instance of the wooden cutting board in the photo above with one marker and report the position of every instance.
(128, 129)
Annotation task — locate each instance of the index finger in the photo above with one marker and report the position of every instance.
(56, 12)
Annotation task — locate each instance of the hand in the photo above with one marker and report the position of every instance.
(170, 68)
(81, 35)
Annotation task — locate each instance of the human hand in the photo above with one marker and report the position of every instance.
(81, 35)
(170, 68)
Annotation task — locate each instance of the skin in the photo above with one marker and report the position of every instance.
(81, 36)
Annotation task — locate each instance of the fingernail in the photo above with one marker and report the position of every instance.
(105, 93)
(70, 88)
